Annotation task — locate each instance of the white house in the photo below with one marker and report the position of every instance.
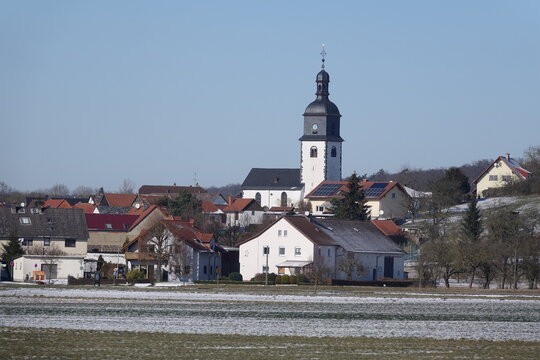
(501, 172)
(243, 212)
(29, 267)
(293, 244)
(386, 199)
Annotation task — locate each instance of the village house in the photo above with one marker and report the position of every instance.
(243, 212)
(503, 171)
(54, 239)
(296, 244)
(187, 253)
(386, 200)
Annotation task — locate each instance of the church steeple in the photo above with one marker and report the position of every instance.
(321, 141)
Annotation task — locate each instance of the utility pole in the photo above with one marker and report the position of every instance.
(266, 252)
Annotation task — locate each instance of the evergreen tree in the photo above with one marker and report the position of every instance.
(353, 204)
(11, 251)
(184, 205)
(470, 248)
(452, 188)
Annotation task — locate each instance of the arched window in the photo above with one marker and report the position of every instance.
(333, 152)
(313, 152)
(284, 199)
(258, 198)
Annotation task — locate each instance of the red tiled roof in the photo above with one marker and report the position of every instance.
(98, 222)
(303, 225)
(209, 207)
(142, 213)
(57, 204)
(120, 199)
(239, 205)
(184, 231)
(87, 208)
(388, 227)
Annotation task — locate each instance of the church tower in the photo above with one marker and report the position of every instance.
(321, 143)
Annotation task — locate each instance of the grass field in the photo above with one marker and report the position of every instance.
(25, 343)
(257, 322)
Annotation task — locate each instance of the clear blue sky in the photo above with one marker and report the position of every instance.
(95, 92)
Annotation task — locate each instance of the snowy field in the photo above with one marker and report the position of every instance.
(393, 315)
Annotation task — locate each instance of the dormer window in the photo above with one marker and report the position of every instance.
(108, 226)
(25, 221)
(276, 180)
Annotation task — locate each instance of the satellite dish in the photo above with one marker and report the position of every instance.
(381, 212)
(306, 213)
(23, 204)
(137, 206)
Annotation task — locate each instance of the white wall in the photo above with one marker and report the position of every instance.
(312, 169)
(271, 198)
(252, 258)
(66, 265)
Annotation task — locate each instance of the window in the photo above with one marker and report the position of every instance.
(281, 251)
(279, 233)
(493, 178)
(333, 152)
(313, 152)
(314, 129)
(28, 242)
(297, 251)
(70, 243)
(393, 195)
(205, 269)
(284, 199)
(46, 241)
(329, 252)
(258, 198)
(506, 178)
(25, 221)
(284, 232)
(108, 226)
(211, 270)
(125, 226)
(320, 208)
(252, 212)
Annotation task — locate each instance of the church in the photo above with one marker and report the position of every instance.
(320, 155)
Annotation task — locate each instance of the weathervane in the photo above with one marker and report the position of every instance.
(323, 54)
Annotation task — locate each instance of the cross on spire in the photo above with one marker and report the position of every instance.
(323, 54)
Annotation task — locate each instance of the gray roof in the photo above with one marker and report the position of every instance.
(262, 179)
(54, 223)
(358, 236)
(117, 210)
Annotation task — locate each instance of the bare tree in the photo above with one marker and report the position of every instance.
(82, 191)
(156, 243)
(59, 189)
(181, 260)
(127, 187)
(318, 273)
(50, 255)
(349, 265)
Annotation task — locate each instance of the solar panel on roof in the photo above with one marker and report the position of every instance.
(378, 185)
(373, 192)
(327, 190)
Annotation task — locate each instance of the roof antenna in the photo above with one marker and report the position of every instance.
(323, 54)
(195, 182)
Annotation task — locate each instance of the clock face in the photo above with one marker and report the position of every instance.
(315, 126)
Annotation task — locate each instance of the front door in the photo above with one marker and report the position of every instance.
(388, 267)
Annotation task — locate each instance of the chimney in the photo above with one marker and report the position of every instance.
(230, 200)
(507, 156)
